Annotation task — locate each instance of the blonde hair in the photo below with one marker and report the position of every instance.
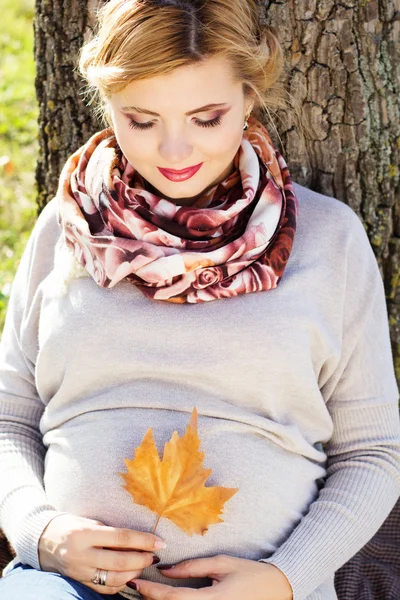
(137, 39)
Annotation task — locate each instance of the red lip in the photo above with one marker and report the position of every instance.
(182, 175)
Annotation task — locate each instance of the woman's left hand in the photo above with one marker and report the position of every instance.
(233, 578)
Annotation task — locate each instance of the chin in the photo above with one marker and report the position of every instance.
(188, 194)
(178, 190)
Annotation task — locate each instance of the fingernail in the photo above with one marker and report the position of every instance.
(133, 585)
(156, 560)
(166, 567)
(160, 544)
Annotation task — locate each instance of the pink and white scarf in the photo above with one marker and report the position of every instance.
(235, 239)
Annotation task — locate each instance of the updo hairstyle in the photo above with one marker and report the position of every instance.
(137, 39)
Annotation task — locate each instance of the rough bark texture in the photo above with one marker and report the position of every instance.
(343, 64)
(65, 122)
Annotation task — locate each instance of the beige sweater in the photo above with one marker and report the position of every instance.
(295, 390)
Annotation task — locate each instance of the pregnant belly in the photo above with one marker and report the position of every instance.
(276, 486)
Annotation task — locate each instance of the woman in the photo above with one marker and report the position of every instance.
(180, 266)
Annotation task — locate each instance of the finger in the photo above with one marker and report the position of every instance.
(119, 560)
(213, 567)
(116, 537)
(104, 589)
(114, 579)
(159, 591)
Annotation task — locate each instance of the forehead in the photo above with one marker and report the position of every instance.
(211, 81)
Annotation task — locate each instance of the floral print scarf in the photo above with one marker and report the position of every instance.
(235, 239)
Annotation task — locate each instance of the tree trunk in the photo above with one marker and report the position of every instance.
(65, 122)
(343, 64)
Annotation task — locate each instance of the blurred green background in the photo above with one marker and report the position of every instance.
(18, 138)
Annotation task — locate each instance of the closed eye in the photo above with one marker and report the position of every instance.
(135, 125)
(212, 123)
(142, 126)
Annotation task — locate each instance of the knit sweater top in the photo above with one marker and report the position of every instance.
(294, 387)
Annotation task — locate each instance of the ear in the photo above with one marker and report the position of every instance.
(249, 108)
(250, 101)
(108, 116)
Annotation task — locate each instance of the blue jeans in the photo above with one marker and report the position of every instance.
(26, 583)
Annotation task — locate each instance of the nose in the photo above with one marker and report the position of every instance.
(174, 149)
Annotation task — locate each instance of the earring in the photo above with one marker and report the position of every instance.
(246, 124)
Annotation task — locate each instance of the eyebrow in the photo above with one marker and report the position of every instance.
(191, 112)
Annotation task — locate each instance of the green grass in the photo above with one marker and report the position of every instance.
(18, 138)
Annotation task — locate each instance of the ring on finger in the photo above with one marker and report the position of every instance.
(100, 577)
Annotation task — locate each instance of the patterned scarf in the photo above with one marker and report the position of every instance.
(235, 239)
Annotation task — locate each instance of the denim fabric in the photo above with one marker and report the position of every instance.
(26, 583)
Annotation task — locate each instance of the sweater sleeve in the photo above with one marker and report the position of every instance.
(363, 455)
(24, 509)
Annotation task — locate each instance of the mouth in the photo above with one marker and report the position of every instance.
(174, 175)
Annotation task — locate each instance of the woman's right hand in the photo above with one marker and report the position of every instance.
(75, 547)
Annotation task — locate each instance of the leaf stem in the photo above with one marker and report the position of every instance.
(159, 517)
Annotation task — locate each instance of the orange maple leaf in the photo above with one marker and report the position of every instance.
(174, 486)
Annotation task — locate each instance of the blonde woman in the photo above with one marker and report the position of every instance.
(178, 266)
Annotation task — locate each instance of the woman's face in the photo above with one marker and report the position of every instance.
(167, 122)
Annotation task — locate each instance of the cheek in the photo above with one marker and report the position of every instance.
(226, 143)
(136, 147)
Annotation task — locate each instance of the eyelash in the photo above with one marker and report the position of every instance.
(213, 123)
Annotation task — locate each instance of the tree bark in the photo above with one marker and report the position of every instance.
(343, 65)
(65, 122)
